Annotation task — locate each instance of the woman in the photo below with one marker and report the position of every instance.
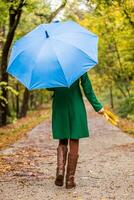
(69, 124)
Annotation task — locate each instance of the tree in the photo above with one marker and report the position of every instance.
(10, 22)
(112, 21)
(15, 11)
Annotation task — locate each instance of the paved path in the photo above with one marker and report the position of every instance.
(105, 169)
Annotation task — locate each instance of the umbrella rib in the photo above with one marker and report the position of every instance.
(15, 58)
(25, 48)
(8, 69)
(18, 79)
(74, 32)
(44, 28)
(77, 48)
(59, 63)
(35, 63)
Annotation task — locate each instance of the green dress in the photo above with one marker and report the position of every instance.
(69, 118)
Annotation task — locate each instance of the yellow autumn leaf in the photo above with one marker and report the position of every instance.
(111, 117)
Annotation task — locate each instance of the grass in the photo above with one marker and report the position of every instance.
(13, 132)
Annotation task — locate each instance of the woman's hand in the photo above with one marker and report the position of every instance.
(101, 111)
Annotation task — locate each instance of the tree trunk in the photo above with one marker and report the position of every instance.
(111, 97)
(17, 101)
(14, 18)
(31, 101)
(24, 107)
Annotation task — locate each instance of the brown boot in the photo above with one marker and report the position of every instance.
(71, 167)
(61, 162)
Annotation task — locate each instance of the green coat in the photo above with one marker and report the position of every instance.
(69, 118)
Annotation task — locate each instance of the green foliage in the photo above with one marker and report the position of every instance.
(111, 20)
(3, 12)
(126, 108)
(4, 85)
(33, 13)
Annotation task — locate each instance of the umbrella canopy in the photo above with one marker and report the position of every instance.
(53, 55)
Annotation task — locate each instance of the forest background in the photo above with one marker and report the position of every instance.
(111, 20)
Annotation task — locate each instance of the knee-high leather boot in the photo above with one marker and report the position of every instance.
(61, 162)
(71, 168)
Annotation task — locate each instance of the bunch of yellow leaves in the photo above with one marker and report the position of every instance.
(111, 117)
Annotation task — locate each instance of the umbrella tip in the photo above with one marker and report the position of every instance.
(47, 36)
(56, 21)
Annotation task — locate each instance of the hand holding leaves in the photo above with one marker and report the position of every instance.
(111, 117)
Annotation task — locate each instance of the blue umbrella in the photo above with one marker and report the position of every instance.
(53, 55)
